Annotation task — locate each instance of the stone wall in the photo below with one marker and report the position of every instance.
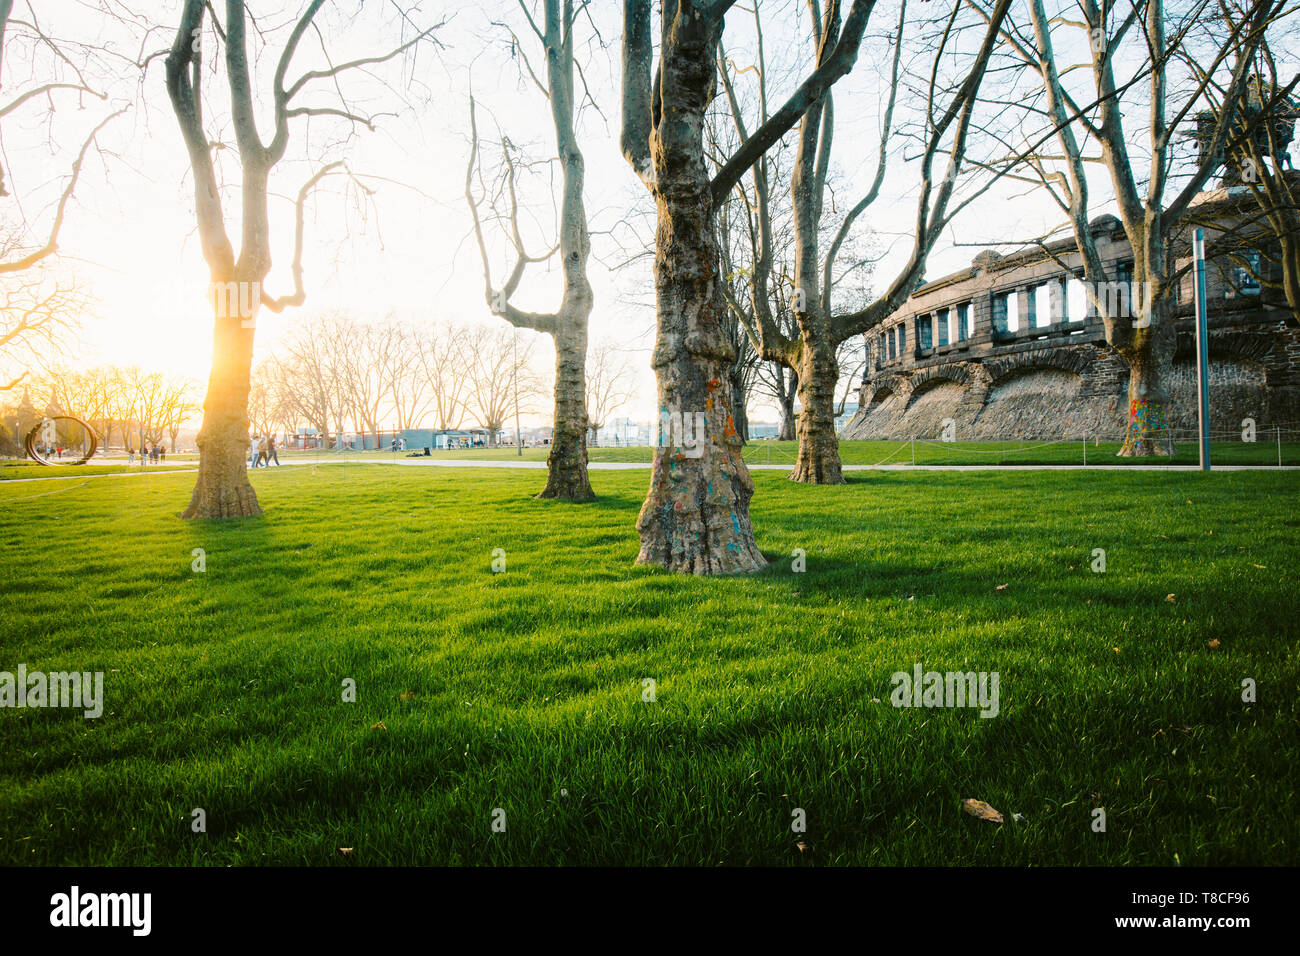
(1054, 376)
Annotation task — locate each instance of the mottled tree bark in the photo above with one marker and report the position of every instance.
(1149, 351)
(789, 418)
(739, 411)
(696, 514)
(567, 461)
(818, 460)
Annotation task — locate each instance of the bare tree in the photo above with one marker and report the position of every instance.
(696, 514)
(98, 390)
(610, 380)
(41, 311)
(1152, 219)
(1260, 237)
(443, 360)
(363, 357)
(51, 73)
(408, 392)
(146, 392)
(222, 489)
(502, 382)
(84, 394)
(39, 320)
(122, 403)
(261, 400)
(176, 406)
(567, 326)
(821, 324)
(298, 382)
(312, 374)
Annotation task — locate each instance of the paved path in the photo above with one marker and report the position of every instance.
(632, 465)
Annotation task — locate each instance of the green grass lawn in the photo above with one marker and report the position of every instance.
(898, 453)
(10, 470)
(769, 452)
(524, 690)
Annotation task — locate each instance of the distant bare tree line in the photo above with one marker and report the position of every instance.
(135, 407)
(338, 375)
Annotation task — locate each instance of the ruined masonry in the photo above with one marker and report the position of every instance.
(1012, 348)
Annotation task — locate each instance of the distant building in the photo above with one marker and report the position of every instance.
(1013, 347)
(622, 432)
(443, 438)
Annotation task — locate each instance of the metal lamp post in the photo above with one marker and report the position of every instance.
(1202, 348)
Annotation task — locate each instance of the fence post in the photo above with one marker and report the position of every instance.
(1279, 445)
(1085, 452)
(913, 452)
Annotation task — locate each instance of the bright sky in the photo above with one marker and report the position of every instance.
(407, 249)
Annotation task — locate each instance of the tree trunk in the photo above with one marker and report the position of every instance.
(740, 412)
(223, 489)
(696, 514)
(818, 461)
(566, 463)
(1149, 352)
(787, 407)
(1147, 433)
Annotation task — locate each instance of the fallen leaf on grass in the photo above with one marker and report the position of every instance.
(345, 850)
(1214, 642)
(980, 809)
(1002, 587)
(1262, 567)
(378, 726)
(1169, 598)
(409, 695)
(801, 846)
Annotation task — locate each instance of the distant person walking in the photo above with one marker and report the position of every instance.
(252, 452)
(263, 456)
(270, 451)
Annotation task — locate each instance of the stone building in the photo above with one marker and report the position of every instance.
(1012, 348)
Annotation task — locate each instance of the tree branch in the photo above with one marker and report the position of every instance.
(836, 65)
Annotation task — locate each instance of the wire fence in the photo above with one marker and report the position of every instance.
(1276, 445)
